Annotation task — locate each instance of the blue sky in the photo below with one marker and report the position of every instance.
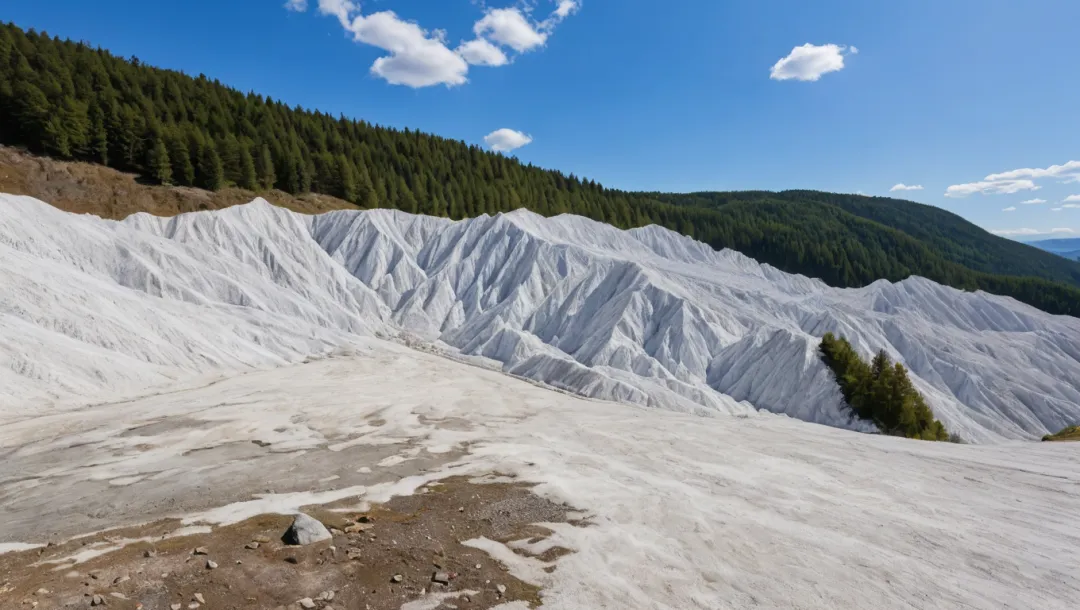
(978, 95)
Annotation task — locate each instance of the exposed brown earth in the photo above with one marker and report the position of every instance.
(84, 188)
(378, 559)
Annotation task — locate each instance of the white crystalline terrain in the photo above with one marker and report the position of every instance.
(93, 309)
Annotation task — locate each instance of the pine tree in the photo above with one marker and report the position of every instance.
(210, 173)
(183, 170)
(157, 159)
(265, 169)
(248, 178)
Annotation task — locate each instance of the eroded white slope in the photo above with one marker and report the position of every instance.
(643, 316)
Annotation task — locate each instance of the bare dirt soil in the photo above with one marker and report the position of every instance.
(405, 550)
(85, 188)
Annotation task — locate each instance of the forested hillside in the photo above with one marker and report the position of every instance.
(70, 101)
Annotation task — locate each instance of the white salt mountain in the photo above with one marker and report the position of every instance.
(92, 309)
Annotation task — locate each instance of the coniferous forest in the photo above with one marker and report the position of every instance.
(71, 101)
(881, 392)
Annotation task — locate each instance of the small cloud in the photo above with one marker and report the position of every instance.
(1072, 198)
(904, 187)
(1062, 230)
(566, 8)
(297, 6)
(1014, 181)
(1033, 201)
(1071, 205)
(1012, 232)
(1056, 209)
(480, 52)
(809, 62)
(506, 140)
(854, 50)
(1003, 187)
(1011, 208)
(510, 27)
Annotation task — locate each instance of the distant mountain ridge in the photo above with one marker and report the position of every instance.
(1067, 248)
(70, 101)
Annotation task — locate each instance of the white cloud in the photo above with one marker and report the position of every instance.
(1011, 208)
(1062, 230)
(1056, 209)
(421, 58)
(1007, 183)
(1002, 187)
(510, 27)
(1033, 201)
(480, 52)
(1073, 198)
(505, 140)
(1073, 206)
(1011, 232)
(566, 8)
(904, 187)
(809, 62)
(1068, 171)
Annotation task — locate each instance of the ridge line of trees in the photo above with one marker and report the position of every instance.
(71, 101)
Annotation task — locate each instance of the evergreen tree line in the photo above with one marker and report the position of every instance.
(71, 101)
(881, 392)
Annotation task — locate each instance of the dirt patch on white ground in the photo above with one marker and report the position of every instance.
(412, 548)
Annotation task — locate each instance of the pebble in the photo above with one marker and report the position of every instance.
(306, 603)
(97, 600)
(193, 605)
(441, 577)
(201, 550)
(175, 606)
(120, 579)
(261, 539)
(326, 596)
(478, 566)
(118, 595)
(501, 589)
(211, 564)
(199, 598)
(251, 545)
(397, 578)
(41, 592)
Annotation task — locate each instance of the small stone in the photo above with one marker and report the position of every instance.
(461, 510)
(478, 566)
(164, 574)
(251, 545)
(193, 605)
(306, 603)
(261, 539)
(238, 562)
(441, 577)
(397, 578)
(306, 530)
(211, 564)
(175, 606)
(97, 600)
(41, 591)
(326, 596)
(121, 579)
(199, 598)
(201, 550)
(118, 595)
(501, 589)
(467, 599)
(352, 554)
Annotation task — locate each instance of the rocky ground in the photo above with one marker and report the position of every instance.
(84, 188)
(416, 552)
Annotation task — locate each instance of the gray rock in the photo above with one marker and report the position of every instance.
(441, 577)
(306, 603)
(306, 530)
(175, 606)
(211, 564)
(202, 550)
(121, 579)
(397, 578)
(118, 595)
(501, 588)
(251, 545)
(199, 598)
(97, 600)
(326, 596)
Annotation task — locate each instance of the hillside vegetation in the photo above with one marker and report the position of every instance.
(72, 102)
(881, 392)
